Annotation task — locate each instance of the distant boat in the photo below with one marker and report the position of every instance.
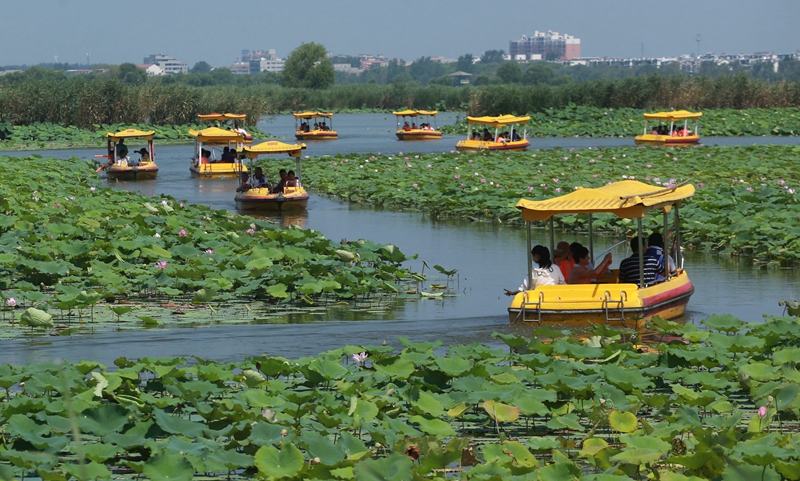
(672, 134)
(413, 131)
(320, 130)
(496, 140)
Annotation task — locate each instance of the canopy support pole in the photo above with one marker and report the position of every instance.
(665, 247)
(678, 253)
(552, 236)
(641, 253)
(297, 162)
(591, 238)
(530, 256)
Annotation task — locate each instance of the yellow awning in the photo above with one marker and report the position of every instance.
(627, 199)
(222, 117)
(274, 147)
(415, 113)
(131, 133)
(500, 121)
(311, 115)
(215, 134)
(673, 116)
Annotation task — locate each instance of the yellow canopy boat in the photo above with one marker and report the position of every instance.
(288, 194)
(487, 140)
(320, 129)
(413, 131)
(670, 128)
(233, 122)
(121, 166)
(214, 162)
(608, 301)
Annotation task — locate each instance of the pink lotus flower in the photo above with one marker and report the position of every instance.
(555, 180)
(429, 166)
(251, 231)
(558, 189)
(649, 166)
(163, 202)
(209, 251)
(182, 233)
(595, 175)
(161, 264)
(181, 204)
(361, 358)
(11, 302)
(408, 164)
(762, 412)
(530, 187)
(36, 199)
(700, 184)
(415, 185)
(156, 235)
(92, 189)
(457, 176)
(58, 204)
(483, 181)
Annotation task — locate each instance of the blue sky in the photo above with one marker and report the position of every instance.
(113, 31)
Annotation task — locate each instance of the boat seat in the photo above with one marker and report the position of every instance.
(611, 277)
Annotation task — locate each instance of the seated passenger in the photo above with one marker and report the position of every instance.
(413, 126)
(544, 272)
(487, 135)
(629, 267)
(580, 274)
(515, 136)
(143, 157)
(226, 155)
(406, 127)
(562, 257)
(258, 181)
(476, 136)
(655, 249)
(291, 180)
(281, 183)
(205, 156)
(244, 183)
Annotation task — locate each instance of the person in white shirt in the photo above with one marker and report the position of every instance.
(545, 273)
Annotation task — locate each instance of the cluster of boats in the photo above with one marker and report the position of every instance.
(606, 301)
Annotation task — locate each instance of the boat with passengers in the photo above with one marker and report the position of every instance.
(417, 131)
(216, 153)
(122, 165)
(288, 194)
(321, 129)
(608, 301)
(227, 121)
(670, 128)
(495, 140)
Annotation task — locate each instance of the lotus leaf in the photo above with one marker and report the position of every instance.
(623, 422)
(394, 467)
(434, 427)
(501, 412)
(322, 448)
(273, 463)
(168, 467)
(176, 425)
(89, 471)
(395, 368)
(36, 318)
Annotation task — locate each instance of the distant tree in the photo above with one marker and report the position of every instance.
(492, 56)
(464, 63)
(402, 78)
(423, 69)
(444, 80)
(550, 56)
(223, 76)
(131, 74)
(481, 80)
(201, 67)
(789, 69)
(510, 72)
(199, 80)
(308, 67)
(671, 68)
(394, 69)
(537, 73)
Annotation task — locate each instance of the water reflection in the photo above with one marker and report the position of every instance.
(297, 218)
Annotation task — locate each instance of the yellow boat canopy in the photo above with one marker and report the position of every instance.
(274, 147)
(500, 121)
(215, 134)
(415, 113)
(222, 117)
(673, 116)
(131, 133)
(311, 115)
(627, 199)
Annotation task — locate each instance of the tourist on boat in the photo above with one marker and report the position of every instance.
(476, 136)
(515, 136)
(143, 157)
(406, 127)
(291, 180)
(655, 248)
(580, 274)
(226, 155)
(486, 134)
(242, 131)
(122, 150)
(258, 181)
(629, 267)
(279, 187)
(244, 184)
(413, 126)
(562, 257)
(544, 272)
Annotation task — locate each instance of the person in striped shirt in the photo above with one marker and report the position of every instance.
(629, 267)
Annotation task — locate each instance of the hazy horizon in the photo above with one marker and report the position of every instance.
(115, 33)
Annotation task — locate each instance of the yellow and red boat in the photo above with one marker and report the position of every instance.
(488, 140)
(608, 301)
(228, 121)
(413, 131)
(289, 195)
(124, 167)
(207, 160)
(320, 130)
(670, 128)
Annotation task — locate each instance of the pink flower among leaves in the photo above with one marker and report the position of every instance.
(530, 187)
(58, 204)
(92, 189)
(415, 185)
(360, 358)
(209, 251)
(11, 302)
(156, 235)
(457, 176)
(161, 264)
(251, 231)
(700, 184)
(762, 412)
(483, 181)
(182, 233)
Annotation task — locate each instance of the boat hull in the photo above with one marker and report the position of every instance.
(263, 200)
(666, 139)
(316, 135)
(584, 304)
(147, 171)
(217, 170)
(479, 145)
(416, 134)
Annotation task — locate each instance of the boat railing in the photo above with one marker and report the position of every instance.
(619, 306)
(530, 305)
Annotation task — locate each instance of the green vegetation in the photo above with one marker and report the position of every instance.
(580, 121)
(66, 243)
(51, 136)
(308, 67)
(746, 201)
(718, 403)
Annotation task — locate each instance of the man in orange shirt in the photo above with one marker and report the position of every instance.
(563, 258)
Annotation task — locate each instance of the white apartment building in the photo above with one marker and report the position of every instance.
(168, 64)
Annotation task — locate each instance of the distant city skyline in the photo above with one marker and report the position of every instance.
(113, 32)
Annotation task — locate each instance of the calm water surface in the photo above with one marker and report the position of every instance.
(489, 257)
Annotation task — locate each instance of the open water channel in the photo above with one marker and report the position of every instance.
(488, 256)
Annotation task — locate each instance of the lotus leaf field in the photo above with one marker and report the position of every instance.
(584, 121)
(715, 402)
(746, 201)
(54, 136)
(67, 244)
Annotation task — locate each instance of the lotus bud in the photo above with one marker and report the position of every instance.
(284, 433)
(316, 461)
(762, 412)
(769, 400)
(378, 445)
(11, 302)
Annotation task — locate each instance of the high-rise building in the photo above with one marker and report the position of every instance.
(168, 64)
(544, 45)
